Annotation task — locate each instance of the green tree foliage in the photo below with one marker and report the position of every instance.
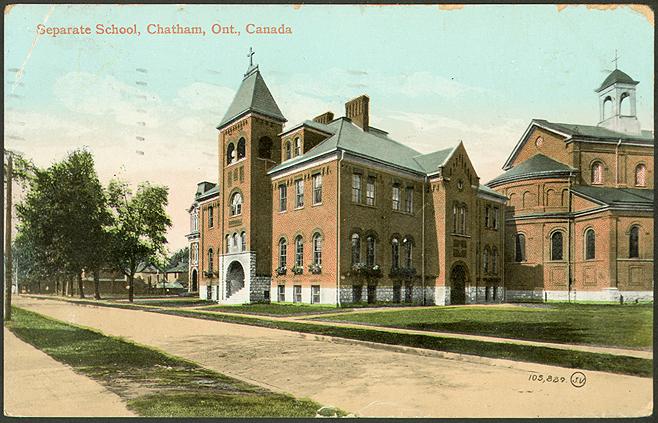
(179, 256)
(64, 217)
(140, 225)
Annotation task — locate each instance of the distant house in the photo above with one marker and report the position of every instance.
(178, 273)
(149, 274)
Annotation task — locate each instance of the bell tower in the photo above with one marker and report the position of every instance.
(249, 146)
(617, 103)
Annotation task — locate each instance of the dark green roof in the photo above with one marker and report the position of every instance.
(181, 267)
(376, 146)
(537, 166)
(597, 132)
(252, 96)
(616, 196)
(615, 77)
(485, 189)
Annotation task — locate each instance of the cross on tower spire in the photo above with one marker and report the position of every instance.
(251, 53)
(615, 59)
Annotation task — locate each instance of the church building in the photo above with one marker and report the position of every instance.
(579, 216)
(332, 210)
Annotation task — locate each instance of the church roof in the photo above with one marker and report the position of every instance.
(616, 197)
(537, 166)
(615, 77)
(252, 96)
(375, 145)
(597, 132)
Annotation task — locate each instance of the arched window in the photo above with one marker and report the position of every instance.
(211, 216)
(298, 146)
(640, 175)
(288, 151)
(485, 260)
(265, 148)
(557, 246)
(607, 107)
(624, 105)
(356, 248)
(241, 149)
(590, 244)
(395, 253)
(370, 250)
(230, 154)
(236, 204)
(634, 243)
(299, 251)
(408, 253)
(519, 253)
(597, 173)
(454, 219)
(283, 252)
(494, 261)
(317, 249)
(236, 241)
(228, 244)
(210, 258)
(243, 241)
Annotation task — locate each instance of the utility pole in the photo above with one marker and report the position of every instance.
(9, 273)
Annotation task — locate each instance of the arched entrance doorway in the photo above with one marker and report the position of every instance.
(458, 277)
(195, 281)
(234, 278)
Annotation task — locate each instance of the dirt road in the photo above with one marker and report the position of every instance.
(364, 380)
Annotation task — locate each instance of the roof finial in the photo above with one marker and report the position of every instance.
(615, 59)
(251, 53)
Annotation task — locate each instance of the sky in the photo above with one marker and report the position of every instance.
(147, 106)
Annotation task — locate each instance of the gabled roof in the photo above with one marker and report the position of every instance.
(616, 197)
(180, 267)
(537, 166)
(310, 124)
(376, 146)
(486, 190)
(615, 77)
(252, 96)
(571, 131)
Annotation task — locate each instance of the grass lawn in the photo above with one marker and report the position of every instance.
(173, 302)
(153, 383)
(628, 326)
(274, 309)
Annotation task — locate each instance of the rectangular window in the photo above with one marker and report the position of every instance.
(315, 294)
(299, 193)
(495, 218)
(283, 197)
(211, 217)
(409, 200)
(297, 294)
(356, 188)
(317, 189)
(281, 293)
(370, 191)
(487, 210)
(396, 197)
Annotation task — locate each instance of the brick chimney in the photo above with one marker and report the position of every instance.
(357, 110)
(325, 118)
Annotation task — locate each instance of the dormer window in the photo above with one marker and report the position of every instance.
(298, 147)
(288, 151)
(597, 173)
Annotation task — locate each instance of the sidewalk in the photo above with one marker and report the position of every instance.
(38, 386)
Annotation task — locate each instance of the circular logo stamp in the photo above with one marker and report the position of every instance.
(578, 379)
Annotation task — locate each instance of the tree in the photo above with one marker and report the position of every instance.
(140, 223)
(182, 255)
(64, 217)
(16, 168)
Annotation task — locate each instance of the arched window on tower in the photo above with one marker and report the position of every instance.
(265, 148)
(236, 204)
(607, 107)
(597, 173)
(640, 175)
(625, 105)
(590, 244)
(634, 242)
(298, 146)
(557, 245)
(242, 149)
(230, 153)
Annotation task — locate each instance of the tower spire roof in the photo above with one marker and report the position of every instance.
(252, 96)
(615, 77)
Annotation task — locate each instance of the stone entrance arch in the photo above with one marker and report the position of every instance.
(195, 281)
(234, 278)
(458, 279)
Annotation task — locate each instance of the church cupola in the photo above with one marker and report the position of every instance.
(617, 103)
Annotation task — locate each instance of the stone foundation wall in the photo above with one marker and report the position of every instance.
(260, 289)
(608, 294)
